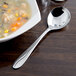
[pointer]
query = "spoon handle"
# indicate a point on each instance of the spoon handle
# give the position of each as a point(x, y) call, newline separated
point(24, 56)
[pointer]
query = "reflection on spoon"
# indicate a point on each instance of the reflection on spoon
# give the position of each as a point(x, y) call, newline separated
point(59, 2)
point(57, 19)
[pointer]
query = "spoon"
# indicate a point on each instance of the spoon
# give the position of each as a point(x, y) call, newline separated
point(58, 18)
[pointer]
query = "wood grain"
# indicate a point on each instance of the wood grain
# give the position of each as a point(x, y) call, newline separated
point(54, 56)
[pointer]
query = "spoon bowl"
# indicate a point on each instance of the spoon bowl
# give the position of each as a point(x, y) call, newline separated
point(58, 18)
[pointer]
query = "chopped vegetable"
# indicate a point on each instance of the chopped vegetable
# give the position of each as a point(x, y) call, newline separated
point(6, 31)
point(5, 6)
point(9, 10)
point(19, 18)
point(13, 29)
point(16, 15)
point(17, 24)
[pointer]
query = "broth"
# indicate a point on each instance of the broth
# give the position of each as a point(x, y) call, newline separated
point(13, 14)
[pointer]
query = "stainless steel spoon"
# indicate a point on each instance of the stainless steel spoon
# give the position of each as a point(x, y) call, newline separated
point(58, 18)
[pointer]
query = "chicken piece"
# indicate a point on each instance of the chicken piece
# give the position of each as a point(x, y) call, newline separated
point(5, 18)
point(8, 18)
point(21, 12)
point(24, 5)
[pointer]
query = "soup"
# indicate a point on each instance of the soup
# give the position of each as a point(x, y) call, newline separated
point(13, 14)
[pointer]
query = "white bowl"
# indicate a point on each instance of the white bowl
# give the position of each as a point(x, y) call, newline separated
point(35, 18)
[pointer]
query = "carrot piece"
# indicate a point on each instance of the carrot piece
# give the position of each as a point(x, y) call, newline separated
point(19, 18)
point(13, 29)
point(17, 24)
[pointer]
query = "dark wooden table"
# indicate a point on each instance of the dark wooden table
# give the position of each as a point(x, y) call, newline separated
point(54, 56)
